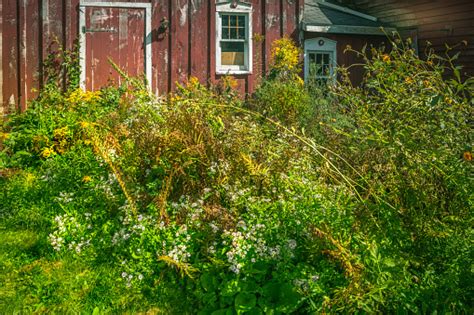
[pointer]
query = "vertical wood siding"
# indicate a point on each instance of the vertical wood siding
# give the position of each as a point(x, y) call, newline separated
point(356, 42)
point(438, 22)
point(31, 29)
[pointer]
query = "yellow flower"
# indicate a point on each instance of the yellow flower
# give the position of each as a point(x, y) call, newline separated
point(60, 133)
point(229, 82)
point(78, 96)
point(409, 80)
point(84, 124)
point(90, 96)
point(193, 83)
point(86, 179)
point(285, 54)
point(4, 136)
point(47, 152)
point(175, 98)
point(29, 179)
point(386, 58)
point(299, 80)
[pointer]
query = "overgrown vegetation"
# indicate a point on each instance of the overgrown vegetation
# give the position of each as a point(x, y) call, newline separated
point(299, 200)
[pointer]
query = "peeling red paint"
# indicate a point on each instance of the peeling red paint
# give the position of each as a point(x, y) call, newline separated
point(183, 41)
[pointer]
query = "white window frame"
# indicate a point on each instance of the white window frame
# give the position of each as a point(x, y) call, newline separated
point(320, 45)
point(126, 5)
point(239, 9)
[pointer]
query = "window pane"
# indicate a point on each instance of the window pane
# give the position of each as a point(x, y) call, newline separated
point(232, 53)
point(318, 59)
point(232, 46)
point(319, 64)
point(233, 33)
point(233, 26)
point(241, 21)
point(241, 33)
point(233, 20)
point(326, 59)
point(319, 70)
point(225, 20)
point(225, 32)
point(326, 70)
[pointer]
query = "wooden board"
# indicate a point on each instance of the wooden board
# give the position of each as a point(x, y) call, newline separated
point(113, 35)
point(33, 30)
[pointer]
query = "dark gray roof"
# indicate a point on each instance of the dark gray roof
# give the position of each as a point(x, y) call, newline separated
point(318, 14)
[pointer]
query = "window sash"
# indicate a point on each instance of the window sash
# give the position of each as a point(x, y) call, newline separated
point(237, 61)
point(233, 26)
point(323, 61)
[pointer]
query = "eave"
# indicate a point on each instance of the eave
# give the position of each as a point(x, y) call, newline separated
point(348, 29)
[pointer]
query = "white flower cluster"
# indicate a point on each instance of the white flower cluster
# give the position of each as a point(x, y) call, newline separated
point(179, 253)
point(49, 176)
point(64, 197)
point(120, 236)
point(211, 250)
point(78, 247)
point(214, 227)
point(178, 248)
point(248, 244)
point(106, 184)
point(242, 243)
point(67, 225)
point(56, 241)
point(194, 209)
point(234, 192)
point(112, 153)
point(129, 277)
point(221, 166)
point(304, 284)
point(131, 226)
point(291, 244)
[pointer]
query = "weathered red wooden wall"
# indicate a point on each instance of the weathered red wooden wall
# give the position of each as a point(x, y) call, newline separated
point(30, 29)
point(437, 22)
point(357, 43)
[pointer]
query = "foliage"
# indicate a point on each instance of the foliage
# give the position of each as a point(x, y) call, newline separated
point(406, 133)
point(118, 201)
point(282, 96)
point(285, 56)
point(61, 67)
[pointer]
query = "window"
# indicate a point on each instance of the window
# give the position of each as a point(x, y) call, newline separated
point(320, 60)
point(320, 67)
point(233, 44)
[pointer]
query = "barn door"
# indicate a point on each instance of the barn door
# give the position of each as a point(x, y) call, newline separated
point(113, 32)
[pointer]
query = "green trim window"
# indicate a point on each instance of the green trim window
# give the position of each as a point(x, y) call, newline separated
point(320, 66)
point(320, 60)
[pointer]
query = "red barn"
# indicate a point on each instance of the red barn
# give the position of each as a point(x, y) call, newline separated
point(169, 40)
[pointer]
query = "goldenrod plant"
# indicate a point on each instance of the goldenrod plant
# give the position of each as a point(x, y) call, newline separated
point(294, 200)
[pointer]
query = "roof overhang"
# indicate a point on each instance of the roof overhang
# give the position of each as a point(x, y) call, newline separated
point(348, 29)
point(347, 10)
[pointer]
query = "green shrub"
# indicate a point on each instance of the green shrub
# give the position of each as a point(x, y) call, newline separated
point(282, 95)
point(118, 201)
point(407, 130)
